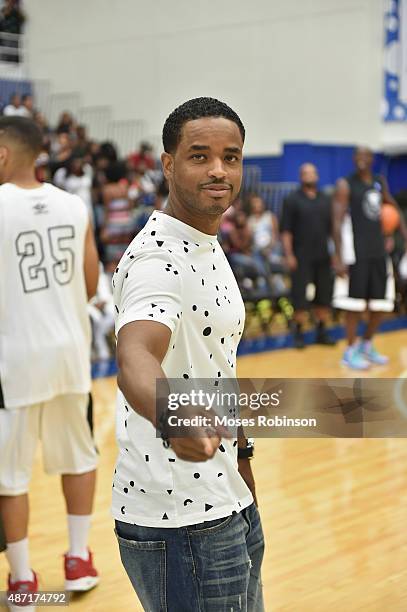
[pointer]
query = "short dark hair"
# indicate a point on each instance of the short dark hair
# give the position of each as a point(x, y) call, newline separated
point(22, 130)
point(195, 109)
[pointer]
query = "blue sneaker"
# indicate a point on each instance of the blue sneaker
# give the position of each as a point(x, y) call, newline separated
point(354, 359)
point(368, 351)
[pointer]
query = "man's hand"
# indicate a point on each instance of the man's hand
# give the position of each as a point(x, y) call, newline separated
point(339, 266)
point(196, 443)
point(292, 262)
point(389, 244)
point(245, 470)
point(195, 449)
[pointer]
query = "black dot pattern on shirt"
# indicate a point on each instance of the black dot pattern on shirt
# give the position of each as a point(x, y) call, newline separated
point(194, 307)
point(207, 331)
point(208, 507)
point(188, 501)
point(125, 490)
point(221, 448)
point(185, 376)
point(197, 475)
point(160, 242)
point(131, 483)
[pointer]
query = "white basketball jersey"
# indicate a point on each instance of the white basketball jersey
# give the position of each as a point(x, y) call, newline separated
point(44, 325)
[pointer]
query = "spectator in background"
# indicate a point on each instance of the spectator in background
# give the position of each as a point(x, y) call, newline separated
point(143, 156)
point(119, 224)
point(11, 17)
point(101, 313)
point(11, 22)
point(82, 144)
point(77, 178)
point(306, 227)
point(61, 152)
point(103, 155)
point(240, 254)
point(266, 242)
point(41, 121)
point(13, 108)
point(264, 225)
point(66, 124)
point(27, 106)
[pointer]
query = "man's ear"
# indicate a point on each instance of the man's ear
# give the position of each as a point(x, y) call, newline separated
point(4, 155)
point(167, 161)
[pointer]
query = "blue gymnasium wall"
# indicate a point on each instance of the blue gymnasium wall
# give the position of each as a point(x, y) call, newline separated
point(332, 162)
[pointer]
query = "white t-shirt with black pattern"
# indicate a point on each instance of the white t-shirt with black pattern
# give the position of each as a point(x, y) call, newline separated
point(179, 276)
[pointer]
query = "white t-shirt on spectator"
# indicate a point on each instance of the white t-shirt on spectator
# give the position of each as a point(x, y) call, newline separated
point(178, 276)
point(15, 111)
point(77, 185)
point(262, 228)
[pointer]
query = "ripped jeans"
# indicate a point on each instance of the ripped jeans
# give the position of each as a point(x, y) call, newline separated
point(208, 567)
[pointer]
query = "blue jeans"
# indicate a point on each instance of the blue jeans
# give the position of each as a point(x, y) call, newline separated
point(209, 567)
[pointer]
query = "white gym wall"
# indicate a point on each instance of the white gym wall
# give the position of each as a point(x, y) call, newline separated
point(294, 69)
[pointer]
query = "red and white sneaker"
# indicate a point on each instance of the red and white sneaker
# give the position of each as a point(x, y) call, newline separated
point(21, 587)
point(80, 575)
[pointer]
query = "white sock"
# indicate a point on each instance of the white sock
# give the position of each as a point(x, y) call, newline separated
point(19, 561)
point(78, 528)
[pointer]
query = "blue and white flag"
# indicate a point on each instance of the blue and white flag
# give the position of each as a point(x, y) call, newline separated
point(394, 106)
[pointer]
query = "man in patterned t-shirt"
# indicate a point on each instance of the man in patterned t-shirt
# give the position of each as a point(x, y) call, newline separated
point(188, 529)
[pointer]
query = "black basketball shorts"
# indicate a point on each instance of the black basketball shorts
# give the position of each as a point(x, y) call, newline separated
point(369, 285)
point(317, 273)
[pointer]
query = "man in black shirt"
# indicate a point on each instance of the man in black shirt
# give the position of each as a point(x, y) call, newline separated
point(306, 228)
point(365, 275)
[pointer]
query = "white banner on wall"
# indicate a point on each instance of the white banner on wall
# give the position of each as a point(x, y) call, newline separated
point(395, 61)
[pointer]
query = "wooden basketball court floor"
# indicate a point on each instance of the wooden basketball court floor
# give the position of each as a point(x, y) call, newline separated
point(334, 511)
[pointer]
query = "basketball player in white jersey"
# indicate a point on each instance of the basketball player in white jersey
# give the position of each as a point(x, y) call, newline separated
point(48, 271)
